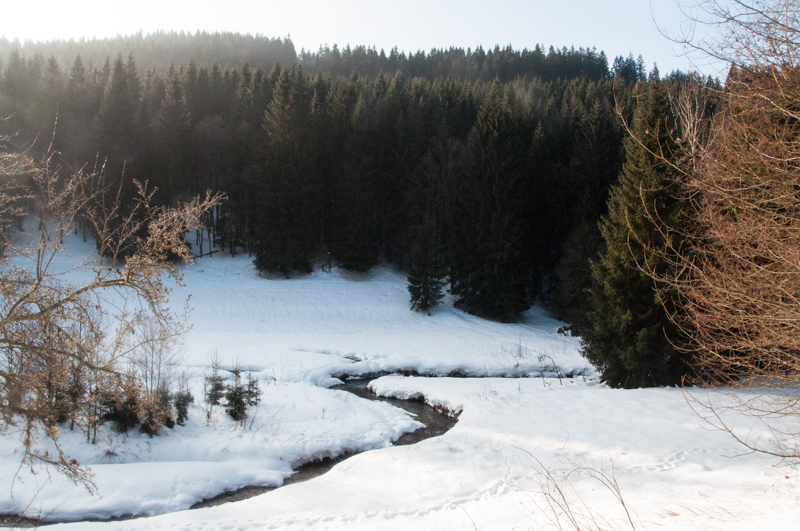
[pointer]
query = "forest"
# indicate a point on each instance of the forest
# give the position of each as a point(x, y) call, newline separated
point(553, 220)
point(484, 173)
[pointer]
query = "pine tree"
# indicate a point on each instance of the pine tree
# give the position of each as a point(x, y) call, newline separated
point(284, 240)
point(354, 238)
point(426, 274)
point(489, 276)
point(632, 340)
point(116, 118)
point(174, 133)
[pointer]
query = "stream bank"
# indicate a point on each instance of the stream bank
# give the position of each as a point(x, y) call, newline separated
point(436, 423)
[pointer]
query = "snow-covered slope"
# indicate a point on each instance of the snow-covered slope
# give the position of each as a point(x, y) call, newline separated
point(325, 319)
point(486, 473)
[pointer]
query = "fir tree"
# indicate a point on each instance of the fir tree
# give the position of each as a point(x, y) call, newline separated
point(174, 131)
point(427, 272)
point(490, 273)
point(116, 117)
point(631, 340)
point(284, 241)
point(355, 235)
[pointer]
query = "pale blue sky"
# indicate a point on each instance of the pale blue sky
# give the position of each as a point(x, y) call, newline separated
point(616, 26)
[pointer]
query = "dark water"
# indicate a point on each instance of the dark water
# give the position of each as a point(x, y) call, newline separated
point(436, 423)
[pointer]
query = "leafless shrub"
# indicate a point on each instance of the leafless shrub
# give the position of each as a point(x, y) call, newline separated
point(561, 502)
point(61, 341)
point(544, 357)
point(737, 274)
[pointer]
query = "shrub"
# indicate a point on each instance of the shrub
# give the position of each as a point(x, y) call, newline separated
point(241, 395)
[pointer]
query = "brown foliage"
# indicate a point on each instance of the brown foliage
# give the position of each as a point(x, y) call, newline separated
point(738, 276)
point(61, 340)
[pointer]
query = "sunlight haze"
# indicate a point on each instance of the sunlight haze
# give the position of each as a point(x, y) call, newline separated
point(617, 27)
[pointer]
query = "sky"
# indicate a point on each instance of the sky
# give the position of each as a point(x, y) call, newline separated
point(617, 27)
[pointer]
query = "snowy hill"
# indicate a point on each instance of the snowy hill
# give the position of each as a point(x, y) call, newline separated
point(490, 471)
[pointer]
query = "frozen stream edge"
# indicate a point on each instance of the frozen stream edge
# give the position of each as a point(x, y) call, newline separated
point(437, 422)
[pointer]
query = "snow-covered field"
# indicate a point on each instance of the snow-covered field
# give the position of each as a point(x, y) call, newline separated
point(489, 472)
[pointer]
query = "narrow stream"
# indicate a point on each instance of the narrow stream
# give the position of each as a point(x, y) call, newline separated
point(436, 424)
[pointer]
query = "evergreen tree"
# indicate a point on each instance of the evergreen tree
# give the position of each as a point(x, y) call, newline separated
point(632, 340)
point(174, 131)
point(426, 274)
point(134, 83)
point(594, 165)
point(354, 238)
point(77, 114)
point(12, 86)
point(51, 90)
point(284, 241)
point(572, 296)
point(77, 79)
point(428, 207)
point(489, 276)
point(116, 118)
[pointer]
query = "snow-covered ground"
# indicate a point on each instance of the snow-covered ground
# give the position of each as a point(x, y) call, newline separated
point(489, 472)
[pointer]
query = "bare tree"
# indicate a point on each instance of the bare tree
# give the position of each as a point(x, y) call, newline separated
point(738, 276)
point(155, 357)
point(63, 339)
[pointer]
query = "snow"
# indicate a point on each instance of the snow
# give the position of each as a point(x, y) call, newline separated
point(135, 474)
point(488, 472)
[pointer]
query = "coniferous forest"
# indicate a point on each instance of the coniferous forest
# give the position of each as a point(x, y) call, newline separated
point(481, 172)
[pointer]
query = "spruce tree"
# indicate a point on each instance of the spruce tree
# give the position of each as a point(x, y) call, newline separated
point(595, 164)
point(355, 238)
point(429, 205)
point(174, 132)
point(283, 241)
point(632, 340)
point(426, 274)
point(489, 275)
point(116, 118)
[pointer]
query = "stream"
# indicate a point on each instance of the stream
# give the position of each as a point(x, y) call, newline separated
point(436, 424)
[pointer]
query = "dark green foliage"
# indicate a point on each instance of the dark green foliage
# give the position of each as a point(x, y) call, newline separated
point(123, 409)
point(594, 166)
point(241, 395)
point(116, 122)
point(632, 340)
point(467, 165)
point(214, 385)
point(252, 390)
point(572, 297)
point(235, 403)
point(174, 141)
point(426, 274)
point(355, 237)
point(504, 64)
point(431, 202)
point(628, 68)
point(490, 274)
point(181, 402)
point(284, 240)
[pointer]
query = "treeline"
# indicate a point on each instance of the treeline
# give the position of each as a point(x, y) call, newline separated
point(230, 50)
point(161, 49)
point(504, 64)
point(478, 184)
point(492, 187)
point(501, 189)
